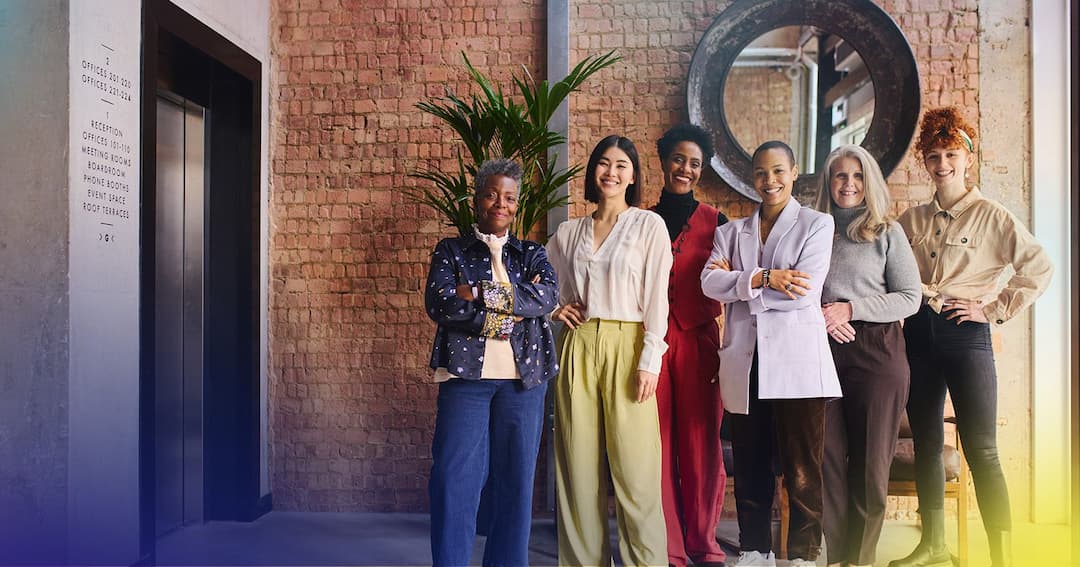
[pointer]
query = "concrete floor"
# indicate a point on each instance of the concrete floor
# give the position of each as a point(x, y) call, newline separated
point(300, 538)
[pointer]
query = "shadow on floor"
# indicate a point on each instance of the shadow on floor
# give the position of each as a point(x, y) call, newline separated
point(305, 538)
point(302, 538)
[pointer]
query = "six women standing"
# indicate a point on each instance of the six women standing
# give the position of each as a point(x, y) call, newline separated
point(963, 243)
point(621, 268)
point(873, 284)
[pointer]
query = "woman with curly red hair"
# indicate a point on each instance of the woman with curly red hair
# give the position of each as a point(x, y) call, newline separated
point(962, 243)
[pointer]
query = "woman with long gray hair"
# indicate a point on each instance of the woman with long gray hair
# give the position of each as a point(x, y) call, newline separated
point(873, 284)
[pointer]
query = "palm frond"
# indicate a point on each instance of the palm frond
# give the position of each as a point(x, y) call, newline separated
point(450, 195)
point(491, 124)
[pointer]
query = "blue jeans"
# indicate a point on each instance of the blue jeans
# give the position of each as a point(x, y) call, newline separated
point(482, 422)
point(960, 358)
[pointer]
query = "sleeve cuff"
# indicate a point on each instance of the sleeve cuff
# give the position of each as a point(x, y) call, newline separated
point(652, 354)
point(745, 285)
point(857, 310)
point(498, 325)
point(497, 296)
point(994, 314)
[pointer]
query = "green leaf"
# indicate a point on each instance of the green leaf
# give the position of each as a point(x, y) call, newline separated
point(490, 124)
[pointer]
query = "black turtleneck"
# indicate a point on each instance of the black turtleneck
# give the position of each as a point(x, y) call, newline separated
point(676, 211)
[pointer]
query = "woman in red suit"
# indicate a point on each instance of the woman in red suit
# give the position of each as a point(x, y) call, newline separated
point(687, 393)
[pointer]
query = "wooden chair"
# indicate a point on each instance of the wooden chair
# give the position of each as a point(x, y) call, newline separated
point(902, 478)
point(902, 483)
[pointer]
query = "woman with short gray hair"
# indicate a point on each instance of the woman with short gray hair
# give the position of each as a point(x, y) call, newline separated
point(493, 356)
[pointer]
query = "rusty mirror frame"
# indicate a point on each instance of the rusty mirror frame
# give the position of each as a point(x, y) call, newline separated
point(870, 31)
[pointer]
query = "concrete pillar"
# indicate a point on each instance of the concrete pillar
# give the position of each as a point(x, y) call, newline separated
point(34, 287)
point(69, 379)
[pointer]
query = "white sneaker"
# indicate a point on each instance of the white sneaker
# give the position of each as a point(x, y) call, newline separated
point(755, 559)
point(797, 562)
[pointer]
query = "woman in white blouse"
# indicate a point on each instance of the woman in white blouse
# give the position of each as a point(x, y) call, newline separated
point(613, 268)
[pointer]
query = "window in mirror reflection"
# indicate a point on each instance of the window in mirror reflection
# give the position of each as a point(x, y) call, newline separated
point(800, 85)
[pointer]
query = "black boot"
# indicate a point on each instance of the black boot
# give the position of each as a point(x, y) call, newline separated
point(1000, 547)
point(931, 551)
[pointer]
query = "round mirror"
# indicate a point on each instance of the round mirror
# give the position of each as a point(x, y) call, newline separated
point(797, 84)
point(847, 72)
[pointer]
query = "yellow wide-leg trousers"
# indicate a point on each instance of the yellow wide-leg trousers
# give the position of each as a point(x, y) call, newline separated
point(601, 429)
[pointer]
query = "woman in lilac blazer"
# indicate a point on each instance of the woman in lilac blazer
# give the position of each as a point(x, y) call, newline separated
point(776, 369)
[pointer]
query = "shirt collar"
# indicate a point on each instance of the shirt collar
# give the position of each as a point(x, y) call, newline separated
point(470, 239)
point(490, 239)
point(960, 206)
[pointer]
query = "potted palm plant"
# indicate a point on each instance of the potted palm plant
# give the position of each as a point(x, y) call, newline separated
point(491, 124)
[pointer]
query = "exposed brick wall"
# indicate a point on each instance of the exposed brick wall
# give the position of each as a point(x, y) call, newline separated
point(944, 36)
point(351, 409)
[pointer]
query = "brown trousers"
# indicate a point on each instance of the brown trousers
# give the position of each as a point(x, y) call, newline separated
point(860, 438)
point(794, 430)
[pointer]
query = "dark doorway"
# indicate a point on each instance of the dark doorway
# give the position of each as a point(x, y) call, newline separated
point(199, 321)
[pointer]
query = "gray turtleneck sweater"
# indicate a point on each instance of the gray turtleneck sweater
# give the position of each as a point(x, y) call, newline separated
point(880, 279)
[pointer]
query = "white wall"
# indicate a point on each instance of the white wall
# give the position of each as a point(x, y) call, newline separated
point(1005, 176)
point(246, 23)
point(1051, 225)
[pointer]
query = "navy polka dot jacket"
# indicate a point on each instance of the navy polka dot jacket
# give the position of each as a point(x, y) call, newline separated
point(459, 344)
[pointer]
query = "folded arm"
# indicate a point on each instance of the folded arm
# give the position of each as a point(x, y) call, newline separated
point(813, 261)
point(442, 301)
point(728, 285)
point(536, 295)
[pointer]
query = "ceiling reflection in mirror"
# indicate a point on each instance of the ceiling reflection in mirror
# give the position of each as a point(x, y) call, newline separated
point(802, 86)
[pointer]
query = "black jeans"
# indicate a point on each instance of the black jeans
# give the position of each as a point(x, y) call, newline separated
point(944, 355)
point(796, 429)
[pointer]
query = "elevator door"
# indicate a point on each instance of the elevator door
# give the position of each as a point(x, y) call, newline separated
point(178, 309)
